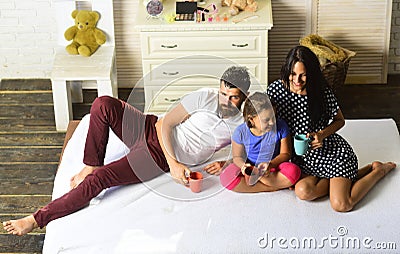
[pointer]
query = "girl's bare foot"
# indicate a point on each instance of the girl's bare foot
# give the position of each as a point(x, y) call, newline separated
point(78, 178)
point(264, 180)
point(21, 226)
point(385, 168)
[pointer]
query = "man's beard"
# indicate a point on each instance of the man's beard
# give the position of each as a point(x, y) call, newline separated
point(225, 111)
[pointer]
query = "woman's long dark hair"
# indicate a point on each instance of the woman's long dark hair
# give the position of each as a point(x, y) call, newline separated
point(315, 84)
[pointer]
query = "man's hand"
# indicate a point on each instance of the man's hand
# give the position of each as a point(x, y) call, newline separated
point(78, 178)
point(179, 172)
point(164, 127)
point(214, 168)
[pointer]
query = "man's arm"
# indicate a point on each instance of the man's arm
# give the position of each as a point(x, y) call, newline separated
point(215, 167)
point(164, 128)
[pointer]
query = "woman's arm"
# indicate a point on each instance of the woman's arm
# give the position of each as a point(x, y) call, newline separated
point(164, 128)
point(336, 124)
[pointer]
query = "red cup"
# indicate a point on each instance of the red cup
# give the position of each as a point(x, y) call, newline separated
point(195, 181)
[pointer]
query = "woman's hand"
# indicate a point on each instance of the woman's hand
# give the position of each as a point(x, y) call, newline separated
point(214, 168)
point(179, 172)
point(317, 139)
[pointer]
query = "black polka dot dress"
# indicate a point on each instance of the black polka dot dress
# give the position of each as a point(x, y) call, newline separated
point(336, 157)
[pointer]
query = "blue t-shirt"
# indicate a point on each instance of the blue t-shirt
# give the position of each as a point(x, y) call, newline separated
point(261, 148)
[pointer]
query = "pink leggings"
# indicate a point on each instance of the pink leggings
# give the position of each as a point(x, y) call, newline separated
point(232, 175)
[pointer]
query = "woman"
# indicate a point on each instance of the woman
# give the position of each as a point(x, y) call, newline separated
point(306, 103)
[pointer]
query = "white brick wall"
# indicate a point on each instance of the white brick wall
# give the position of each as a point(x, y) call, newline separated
point(27, 32)
point(394, 48)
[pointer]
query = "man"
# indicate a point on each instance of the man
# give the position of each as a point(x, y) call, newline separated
point(188, 135)
point(204, 112)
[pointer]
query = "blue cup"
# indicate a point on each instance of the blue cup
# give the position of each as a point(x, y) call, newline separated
point(301, 143)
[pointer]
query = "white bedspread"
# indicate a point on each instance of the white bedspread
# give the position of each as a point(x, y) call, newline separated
point(164, 217)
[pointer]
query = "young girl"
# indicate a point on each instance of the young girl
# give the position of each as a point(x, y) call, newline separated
point(305, 102)
point(262, 142)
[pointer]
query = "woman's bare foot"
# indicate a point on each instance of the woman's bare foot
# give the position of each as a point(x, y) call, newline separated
point(364, 171)
point(78, 178)
point(21, 226)
point(385, 168)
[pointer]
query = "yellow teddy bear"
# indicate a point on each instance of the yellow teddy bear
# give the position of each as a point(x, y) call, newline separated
point(86, 38)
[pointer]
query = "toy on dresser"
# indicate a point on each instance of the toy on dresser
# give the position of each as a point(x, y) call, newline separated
point(240, 5)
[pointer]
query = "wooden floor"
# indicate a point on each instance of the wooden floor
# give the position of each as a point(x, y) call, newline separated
point(371, 101)
point(30, 146)
point(30, 149)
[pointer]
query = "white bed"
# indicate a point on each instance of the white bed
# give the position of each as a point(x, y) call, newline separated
point(164, 217)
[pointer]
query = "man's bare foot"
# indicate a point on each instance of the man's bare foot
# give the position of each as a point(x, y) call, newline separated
point(385, 168)
point(21, 226)
point(78, 178)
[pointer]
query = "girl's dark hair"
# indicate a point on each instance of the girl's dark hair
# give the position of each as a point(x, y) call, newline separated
point(253, 105)
point(315, 84)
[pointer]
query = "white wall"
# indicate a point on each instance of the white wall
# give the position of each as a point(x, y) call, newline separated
point(27, 40)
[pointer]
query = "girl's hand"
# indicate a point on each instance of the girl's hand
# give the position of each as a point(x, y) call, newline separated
point(179, 172)
point(246, 165)
point(317, 139)
point(264, 168)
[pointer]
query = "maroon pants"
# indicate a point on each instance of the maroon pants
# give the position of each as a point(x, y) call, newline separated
point(144, 161)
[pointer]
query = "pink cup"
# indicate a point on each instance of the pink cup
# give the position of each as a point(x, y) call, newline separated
point(195, 181)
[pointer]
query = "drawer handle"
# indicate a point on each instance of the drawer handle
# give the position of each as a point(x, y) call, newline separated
point(169, 46)
point(172, 100)
point(171, 73)
point(240, 45)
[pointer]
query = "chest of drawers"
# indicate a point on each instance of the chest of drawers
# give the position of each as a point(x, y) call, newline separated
point(183, 56)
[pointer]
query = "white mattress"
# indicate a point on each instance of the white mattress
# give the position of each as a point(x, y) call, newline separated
point(164, 217)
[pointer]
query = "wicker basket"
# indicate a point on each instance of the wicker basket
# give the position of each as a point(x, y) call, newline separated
point(334, 71)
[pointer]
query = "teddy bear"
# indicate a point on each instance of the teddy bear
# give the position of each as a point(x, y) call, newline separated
point(235, 6)
point(86, 38)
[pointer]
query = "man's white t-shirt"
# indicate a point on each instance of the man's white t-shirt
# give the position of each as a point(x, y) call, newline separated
point(204, 132)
